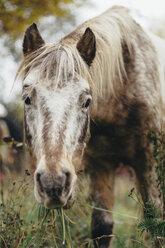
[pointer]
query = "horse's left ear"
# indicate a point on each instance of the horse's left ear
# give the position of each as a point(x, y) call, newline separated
point(32, 40)
point(87, 46)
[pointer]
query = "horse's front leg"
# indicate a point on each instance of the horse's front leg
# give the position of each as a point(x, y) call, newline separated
point(102, 192)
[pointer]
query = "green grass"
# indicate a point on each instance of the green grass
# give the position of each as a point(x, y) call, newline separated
point(25, 224)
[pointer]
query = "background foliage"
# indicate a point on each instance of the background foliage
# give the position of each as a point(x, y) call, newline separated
point(16, 14)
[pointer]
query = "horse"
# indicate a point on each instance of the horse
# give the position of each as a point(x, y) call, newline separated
point(90, 99)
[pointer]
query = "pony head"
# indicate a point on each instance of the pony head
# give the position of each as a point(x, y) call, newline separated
point(56, 112)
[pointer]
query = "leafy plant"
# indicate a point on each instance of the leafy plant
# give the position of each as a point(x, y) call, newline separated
point(154, 218)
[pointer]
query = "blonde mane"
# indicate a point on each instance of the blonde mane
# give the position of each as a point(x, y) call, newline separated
point(56, 61)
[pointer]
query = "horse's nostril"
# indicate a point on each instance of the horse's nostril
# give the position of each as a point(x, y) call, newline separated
point(38, 175)
point(67, 173)
point(68, 179)
point(38, 179)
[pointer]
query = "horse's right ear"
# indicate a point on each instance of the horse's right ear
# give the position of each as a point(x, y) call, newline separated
point(32, 40)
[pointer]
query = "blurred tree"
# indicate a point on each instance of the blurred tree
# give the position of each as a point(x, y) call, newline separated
point(53, 16)
point(16, 14)
point(15, 109)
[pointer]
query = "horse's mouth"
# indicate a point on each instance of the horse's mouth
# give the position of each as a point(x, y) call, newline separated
point(55, 204)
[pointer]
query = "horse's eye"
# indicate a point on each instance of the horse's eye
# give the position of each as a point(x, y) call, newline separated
point(86, 105)
point(27, 101)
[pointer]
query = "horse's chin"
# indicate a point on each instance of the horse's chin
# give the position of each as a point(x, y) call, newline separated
point(52, 205)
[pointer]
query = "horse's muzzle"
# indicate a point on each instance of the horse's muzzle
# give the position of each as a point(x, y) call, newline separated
point(54, 191)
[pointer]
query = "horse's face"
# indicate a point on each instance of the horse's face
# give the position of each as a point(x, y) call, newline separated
point(56, 125)
point(57, 129)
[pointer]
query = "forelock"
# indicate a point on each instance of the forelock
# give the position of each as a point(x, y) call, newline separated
point(56, 64)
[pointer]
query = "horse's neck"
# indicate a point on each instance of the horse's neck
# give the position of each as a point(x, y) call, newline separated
point(140, 94)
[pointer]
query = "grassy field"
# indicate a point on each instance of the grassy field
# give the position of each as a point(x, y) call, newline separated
point(25, 224)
